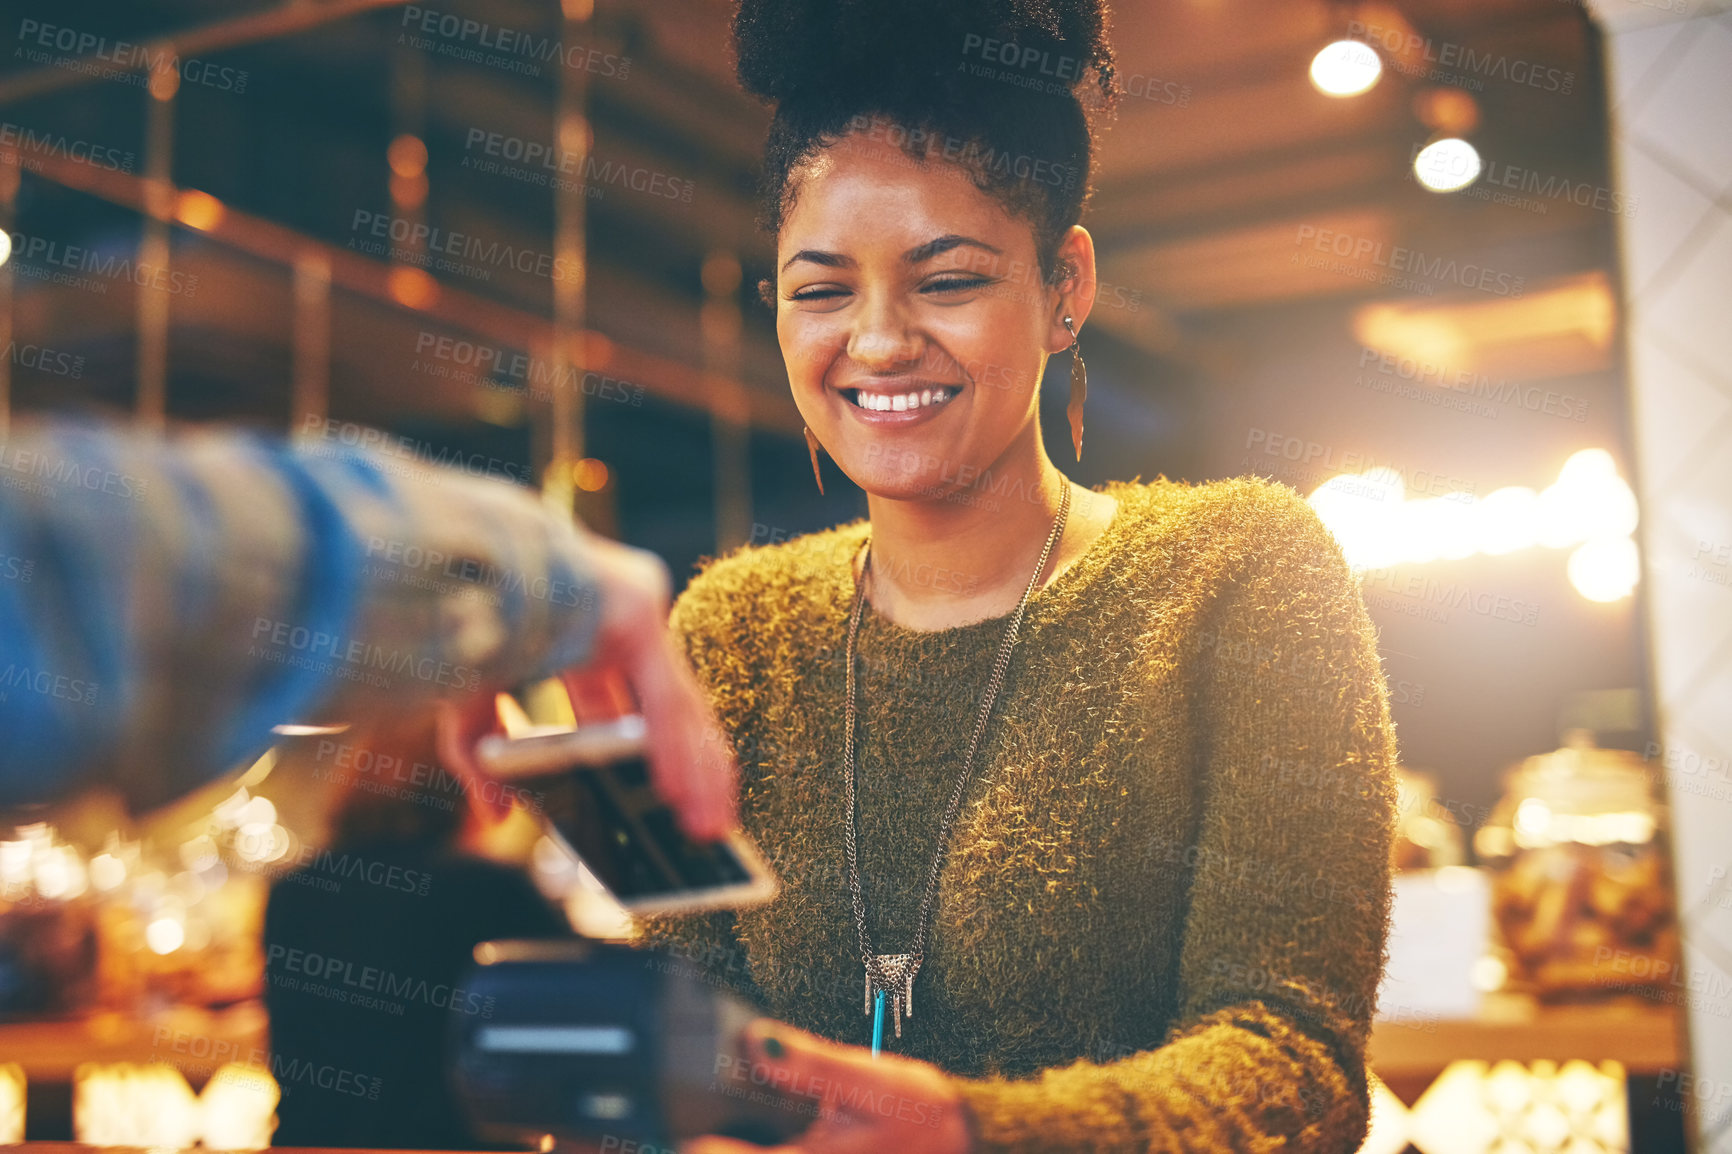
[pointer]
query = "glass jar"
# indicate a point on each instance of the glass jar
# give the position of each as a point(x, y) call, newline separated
point(1581, 886)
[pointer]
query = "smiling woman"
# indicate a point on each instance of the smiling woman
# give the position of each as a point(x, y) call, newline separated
point(1040, 777)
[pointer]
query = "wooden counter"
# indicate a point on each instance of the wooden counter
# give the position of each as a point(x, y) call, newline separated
point(1644, 1037)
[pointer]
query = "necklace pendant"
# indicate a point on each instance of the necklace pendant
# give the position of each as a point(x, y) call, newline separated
point(893, 976)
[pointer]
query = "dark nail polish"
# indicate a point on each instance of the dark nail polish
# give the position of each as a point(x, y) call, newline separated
point(773, 1046)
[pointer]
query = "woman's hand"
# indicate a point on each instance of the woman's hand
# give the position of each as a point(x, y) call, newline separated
point(864, 1105)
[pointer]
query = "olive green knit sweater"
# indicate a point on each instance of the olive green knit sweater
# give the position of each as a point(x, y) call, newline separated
point(1147, 935)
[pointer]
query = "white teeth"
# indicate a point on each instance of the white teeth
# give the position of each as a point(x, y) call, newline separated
point(901, 402)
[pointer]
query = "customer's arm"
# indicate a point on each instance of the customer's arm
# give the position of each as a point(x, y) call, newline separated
point(1283, 943)
point(164, 603)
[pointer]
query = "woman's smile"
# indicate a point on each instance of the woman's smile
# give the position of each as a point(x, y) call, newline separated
point(898, 403)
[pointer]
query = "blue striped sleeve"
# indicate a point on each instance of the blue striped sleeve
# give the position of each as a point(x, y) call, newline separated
point(164, 603)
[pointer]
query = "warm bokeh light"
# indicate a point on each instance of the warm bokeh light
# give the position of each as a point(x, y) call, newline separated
point(238, 1105)
point(1508, 520)
point(721, 273)
point(5, 246)
point(412, 287)
point(12, 1087)
point(1364, 508)
point(106, 871)
point(259, 810)
point(1447, 110)
point(164, 83)
point(226, 813)
point(60, 873)
point(1345, 68)
point(575, 134)
point(1447, 165)
point(1588, 501)
point(123, 1104)
point(165, 935)
point(1589, 505)
point(590, 475)
point(1605, 569)
point(1492, 348)
point(198, 210)
point(407, 155)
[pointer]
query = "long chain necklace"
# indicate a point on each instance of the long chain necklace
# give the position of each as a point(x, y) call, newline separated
point(891, 976)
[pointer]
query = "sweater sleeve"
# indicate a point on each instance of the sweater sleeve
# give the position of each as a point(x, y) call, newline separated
point(1284, 939)
point(705, 945)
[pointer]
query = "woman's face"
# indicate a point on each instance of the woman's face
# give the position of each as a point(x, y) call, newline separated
point(913, 318)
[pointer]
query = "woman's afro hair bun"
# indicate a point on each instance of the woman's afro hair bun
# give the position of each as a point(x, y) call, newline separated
point(790, 49)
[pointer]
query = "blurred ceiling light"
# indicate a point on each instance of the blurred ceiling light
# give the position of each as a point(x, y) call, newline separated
point(1345, 68)
point(1605, 569)
point(1588, 500)
point(1446, 110)
point(412, 287)
point(1508, 520)
point(5, 246)
point(198, 210)
point(576, 136)
point(1447, 165)
point(1496, 348)
point(164, 83)
point(590, 475)
point(407, 155)
point(1589, 506)
point(301, 729)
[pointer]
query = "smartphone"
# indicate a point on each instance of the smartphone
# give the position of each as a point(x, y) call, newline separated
point(594, 786)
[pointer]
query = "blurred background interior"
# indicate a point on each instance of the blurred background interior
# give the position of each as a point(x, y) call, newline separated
point(1369, 250)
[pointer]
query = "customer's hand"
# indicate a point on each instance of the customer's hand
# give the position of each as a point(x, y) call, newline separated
point(864, 1105)
point(691, 762)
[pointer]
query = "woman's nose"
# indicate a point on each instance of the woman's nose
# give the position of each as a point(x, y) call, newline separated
point(882, 339)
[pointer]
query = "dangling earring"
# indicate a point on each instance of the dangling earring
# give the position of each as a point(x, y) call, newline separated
point(1079, 391)
point(812, 447)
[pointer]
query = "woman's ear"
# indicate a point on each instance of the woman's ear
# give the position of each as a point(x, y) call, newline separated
point(1076, 285)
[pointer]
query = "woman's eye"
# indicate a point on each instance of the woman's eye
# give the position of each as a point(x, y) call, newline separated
point(816, 294)
point(956, 284)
